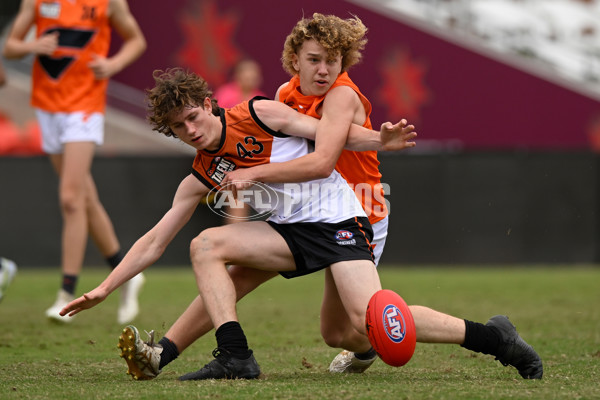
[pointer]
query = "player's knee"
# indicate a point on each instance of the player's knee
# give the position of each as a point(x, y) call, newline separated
point(204, 246)
point(71, 201)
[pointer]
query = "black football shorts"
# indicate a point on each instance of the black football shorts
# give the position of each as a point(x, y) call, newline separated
point(317, 245)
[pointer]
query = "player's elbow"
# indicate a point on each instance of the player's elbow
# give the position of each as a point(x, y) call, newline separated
point(323, 169)
point(143, 44)
point(321, 172)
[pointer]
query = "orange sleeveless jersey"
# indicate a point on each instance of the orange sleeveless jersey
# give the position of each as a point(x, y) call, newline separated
point(360, 169)
point(63, 82)
point(244, 143)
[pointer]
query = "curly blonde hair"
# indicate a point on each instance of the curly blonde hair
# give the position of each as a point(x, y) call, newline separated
point(173, 91)
point(345, 37)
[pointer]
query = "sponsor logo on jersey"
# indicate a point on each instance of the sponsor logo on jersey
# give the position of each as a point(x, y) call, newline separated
point(393, 323)
point(219, 167)
point(50, 10)
point(344, 237)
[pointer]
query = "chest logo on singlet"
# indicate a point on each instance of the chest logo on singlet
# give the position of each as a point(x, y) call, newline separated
point(50, 10)
point(70, 40)
point(219, 167)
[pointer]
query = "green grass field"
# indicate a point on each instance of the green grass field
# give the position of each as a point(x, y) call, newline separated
point(555, 309)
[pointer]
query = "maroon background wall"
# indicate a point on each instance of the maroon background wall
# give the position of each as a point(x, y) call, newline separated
point(474, 206)
point(453, 95)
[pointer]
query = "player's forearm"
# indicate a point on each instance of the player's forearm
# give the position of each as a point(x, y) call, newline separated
point(141, 255)
point(126, 26)
point(363, 139)
point(129, 52)
point(16, 49)
point(359, 137)
point(16, 46)
point(309, 167)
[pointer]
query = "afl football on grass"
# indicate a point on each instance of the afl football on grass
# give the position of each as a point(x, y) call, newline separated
point(391, 328)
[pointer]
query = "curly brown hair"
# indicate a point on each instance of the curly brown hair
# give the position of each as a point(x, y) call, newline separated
point(174, 90)
point(345, 37)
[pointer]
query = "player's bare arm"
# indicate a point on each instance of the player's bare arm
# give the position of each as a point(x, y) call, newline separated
point(391, 137)
point(134, 43)
point(148, 249)
point(16, 46)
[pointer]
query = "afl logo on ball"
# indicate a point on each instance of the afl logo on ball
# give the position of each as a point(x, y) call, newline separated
point(393, 323)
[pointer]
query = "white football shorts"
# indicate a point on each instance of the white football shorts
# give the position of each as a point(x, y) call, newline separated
point(380, 231)
point(60, 128)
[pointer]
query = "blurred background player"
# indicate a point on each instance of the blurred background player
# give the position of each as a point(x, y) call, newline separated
point(8, 270)
point(13, 139)
point(70, 76)
point(246, 84)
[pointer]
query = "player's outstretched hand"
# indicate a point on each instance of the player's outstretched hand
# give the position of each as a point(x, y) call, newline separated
point(397, 136)
point(88, 300)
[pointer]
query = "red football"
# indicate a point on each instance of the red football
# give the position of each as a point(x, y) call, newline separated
point(391, 328)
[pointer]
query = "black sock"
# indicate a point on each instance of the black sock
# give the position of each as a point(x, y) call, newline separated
point(367, 355)
point(69, 282)
point(231, 337)
point(114, 260)
point(169, 352)
point(481, 338)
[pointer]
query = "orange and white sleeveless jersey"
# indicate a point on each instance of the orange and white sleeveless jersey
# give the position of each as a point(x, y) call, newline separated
point(63, 82)
point(246, 142)
point(360, 169)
